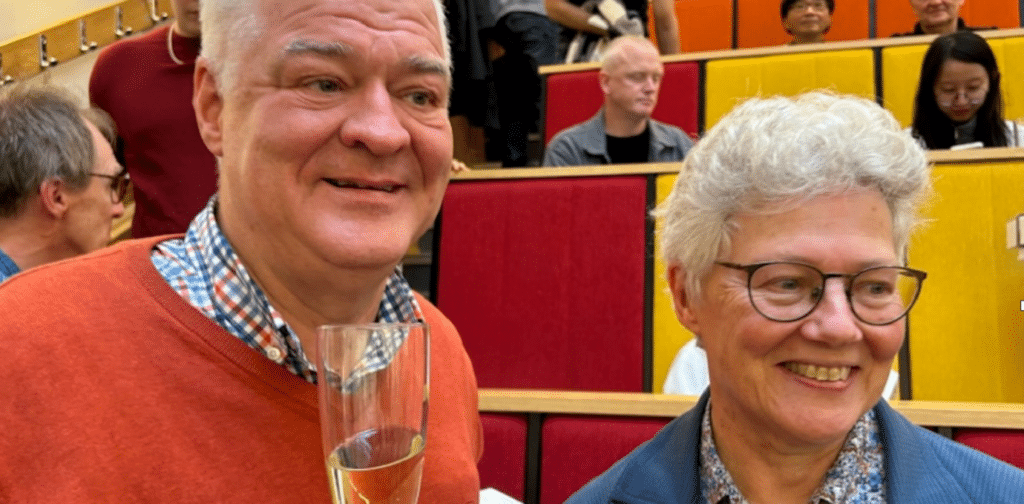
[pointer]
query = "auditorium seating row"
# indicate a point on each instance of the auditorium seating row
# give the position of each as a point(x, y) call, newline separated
point(541, 446)
point(706, 25)
point(554, 281)
point(699, 88)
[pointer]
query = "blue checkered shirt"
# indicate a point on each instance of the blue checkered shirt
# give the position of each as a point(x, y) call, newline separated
point(203, 268)
point(7, 267)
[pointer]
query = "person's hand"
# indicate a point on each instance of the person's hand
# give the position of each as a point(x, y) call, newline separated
point(459, 166)
point(626, 25)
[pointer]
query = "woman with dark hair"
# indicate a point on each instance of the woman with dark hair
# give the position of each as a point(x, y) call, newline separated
point(807, 20)
point(958, 99)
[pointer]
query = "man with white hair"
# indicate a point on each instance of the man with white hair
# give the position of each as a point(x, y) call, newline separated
point(622, 131)
point(178, 369)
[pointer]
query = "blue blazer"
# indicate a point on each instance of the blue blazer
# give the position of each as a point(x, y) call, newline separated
point(921, 467)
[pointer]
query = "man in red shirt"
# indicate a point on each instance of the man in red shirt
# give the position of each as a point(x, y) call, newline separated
point(145, 84)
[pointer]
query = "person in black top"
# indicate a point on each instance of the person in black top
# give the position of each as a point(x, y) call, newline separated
point(938, 17)
point(958, 99)
point(623, 130)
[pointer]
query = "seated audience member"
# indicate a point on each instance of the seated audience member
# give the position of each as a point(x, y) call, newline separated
point(958, 96)
point(938, 17)
point(179, 369)
point(145, 84)
point(622, 131)
point(60, 186)
point(784, 238)
point(688, 374)
point(807, 20)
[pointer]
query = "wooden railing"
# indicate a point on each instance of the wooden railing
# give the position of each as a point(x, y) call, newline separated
point(936, 414)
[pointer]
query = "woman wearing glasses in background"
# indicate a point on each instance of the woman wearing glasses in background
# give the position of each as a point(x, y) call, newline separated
point(958, 98)
point(807, 20)
point(784, 238)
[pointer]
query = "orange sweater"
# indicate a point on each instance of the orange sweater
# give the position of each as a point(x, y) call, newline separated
point(116, 390)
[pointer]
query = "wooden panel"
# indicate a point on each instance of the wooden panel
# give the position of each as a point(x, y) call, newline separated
point(704, 25)
point(926, 413)
point(731, 81)
point(998, 13)
point(966, 328)
point(760, 23)
point(901, 71)
point(1010, 58)
point(667, 333)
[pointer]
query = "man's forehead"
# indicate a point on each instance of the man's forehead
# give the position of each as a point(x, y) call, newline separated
point(353, 19)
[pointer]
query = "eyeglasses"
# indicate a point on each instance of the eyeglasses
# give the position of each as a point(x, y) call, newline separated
point(788, 291)
point(972, 95)
point(815, 5)
point(118, 184)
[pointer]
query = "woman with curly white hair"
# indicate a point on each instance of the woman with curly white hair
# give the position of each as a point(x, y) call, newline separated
point(785, 239)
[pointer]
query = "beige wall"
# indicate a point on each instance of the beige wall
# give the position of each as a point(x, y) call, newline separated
point(33, 15)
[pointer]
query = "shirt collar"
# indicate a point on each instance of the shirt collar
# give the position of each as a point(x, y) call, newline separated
point(205, 270)
point(7, 266)
point(857, 475)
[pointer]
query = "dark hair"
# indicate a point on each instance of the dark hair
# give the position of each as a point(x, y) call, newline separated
point(932, 125)
point(788, 4)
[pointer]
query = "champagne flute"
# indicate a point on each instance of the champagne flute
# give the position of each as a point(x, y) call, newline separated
point(373, 381)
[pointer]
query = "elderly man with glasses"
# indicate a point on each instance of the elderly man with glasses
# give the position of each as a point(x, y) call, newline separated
point(60, 186)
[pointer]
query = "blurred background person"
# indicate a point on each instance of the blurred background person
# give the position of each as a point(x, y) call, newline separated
point(958, 96)
point(622, 131)
point(807, 20)
point(938, 17)
point(630, 19)
point(145, 84)
point(527, 40)
point(784, 239)
point(60, 186)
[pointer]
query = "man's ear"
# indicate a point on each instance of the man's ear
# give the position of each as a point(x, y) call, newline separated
point(54, 198)
point(683, 301)
point(603, 79)
point(209, 106)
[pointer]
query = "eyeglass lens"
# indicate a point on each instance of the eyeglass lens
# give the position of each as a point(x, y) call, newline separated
point(789, 291)
point(945, 99)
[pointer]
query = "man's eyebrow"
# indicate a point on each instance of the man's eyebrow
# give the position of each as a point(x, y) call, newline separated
point(427, 65)
point(329, 49)
point(417, 63)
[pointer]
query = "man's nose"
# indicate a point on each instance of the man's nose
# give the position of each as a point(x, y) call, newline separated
point(374, 123)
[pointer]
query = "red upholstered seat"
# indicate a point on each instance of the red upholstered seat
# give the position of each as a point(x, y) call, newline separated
point(545, 280)
point(1004, 444)
point(575, 449)
point(575, 97)
point(503, 465)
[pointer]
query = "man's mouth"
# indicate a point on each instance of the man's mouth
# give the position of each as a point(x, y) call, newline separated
point(819, 373)
point(382, 187)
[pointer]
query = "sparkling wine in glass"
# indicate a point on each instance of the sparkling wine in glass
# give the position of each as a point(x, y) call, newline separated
point(373, 381)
